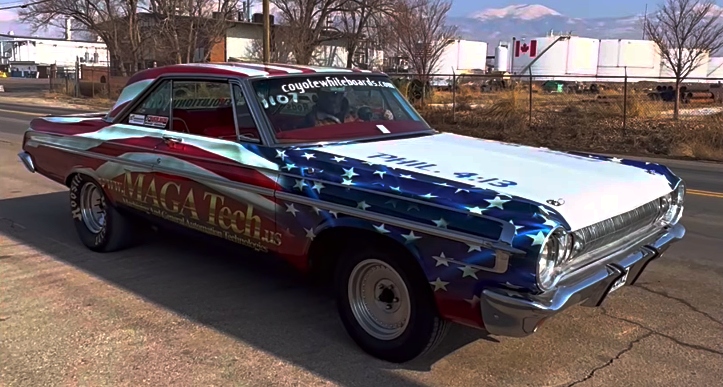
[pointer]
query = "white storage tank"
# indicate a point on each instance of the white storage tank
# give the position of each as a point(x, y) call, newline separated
point(715, 70)
point(502, 57)
point(567, 59)
point(700, 74)
point(582, 56)
point(640, 57)
point(462, 56)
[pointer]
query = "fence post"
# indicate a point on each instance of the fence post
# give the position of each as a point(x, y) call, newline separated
point(625, 102)
point(77, 77)
point(454, 96)
point(530, 119)
point(92, 83)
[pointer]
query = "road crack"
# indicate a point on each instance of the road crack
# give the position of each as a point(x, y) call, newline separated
point(671, 338)
point(612, 360)
point(682, 301)
point(648, 333)
point(13, 224)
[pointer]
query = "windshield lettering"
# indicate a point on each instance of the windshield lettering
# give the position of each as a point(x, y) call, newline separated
point(301, 87)
point(329, 107)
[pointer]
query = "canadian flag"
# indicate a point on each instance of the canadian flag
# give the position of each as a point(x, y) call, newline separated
point(522, 48)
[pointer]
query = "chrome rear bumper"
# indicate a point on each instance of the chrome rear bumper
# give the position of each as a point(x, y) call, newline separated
point(27, 161)
point(507, 313)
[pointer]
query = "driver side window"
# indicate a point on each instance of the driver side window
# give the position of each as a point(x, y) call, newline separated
point(207, 108)
point(155, 109)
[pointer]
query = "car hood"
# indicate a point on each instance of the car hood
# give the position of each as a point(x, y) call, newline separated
point(590, 189)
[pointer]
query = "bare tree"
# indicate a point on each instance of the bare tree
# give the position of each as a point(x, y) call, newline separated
point(310, 21)
point(358, 22)
point(686, 33)
point(185, 30)
point(281, 46)
point(115, 21)
point(422, 33)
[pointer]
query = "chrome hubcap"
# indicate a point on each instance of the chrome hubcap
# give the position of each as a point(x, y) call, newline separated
point(379, 299)
point(92, 207)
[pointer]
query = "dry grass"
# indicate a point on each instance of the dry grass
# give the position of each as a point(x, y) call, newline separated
point(100, 100)
point(583, 122)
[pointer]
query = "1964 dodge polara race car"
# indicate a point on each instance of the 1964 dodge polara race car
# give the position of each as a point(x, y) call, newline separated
point(334, 171)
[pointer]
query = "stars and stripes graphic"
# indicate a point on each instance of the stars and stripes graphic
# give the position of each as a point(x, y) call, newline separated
point(455, 271)
point(282, 179)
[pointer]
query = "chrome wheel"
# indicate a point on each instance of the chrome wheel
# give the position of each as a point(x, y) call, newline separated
point(379, 299)
point(92, 207)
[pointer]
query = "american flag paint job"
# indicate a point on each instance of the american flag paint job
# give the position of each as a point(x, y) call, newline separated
point(301, 192)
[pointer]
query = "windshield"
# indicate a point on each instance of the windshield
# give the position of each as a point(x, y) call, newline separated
point(328, 108)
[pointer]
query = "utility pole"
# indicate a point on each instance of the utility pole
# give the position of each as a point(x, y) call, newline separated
point(267, 32)
point(645, 21)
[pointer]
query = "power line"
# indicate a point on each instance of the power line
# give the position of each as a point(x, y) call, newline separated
point(24, 5)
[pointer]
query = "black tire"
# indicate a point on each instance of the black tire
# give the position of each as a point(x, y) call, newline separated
point(425, 329)
point(118, 231)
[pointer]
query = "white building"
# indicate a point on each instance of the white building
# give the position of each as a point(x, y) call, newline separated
point(243, 42)
point(26, 53)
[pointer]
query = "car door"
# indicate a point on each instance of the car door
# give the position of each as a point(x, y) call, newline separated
point(208, 176)
point(128, 149)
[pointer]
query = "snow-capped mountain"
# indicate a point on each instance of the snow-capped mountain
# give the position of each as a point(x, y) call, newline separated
point(519, 11)
point(534, 20)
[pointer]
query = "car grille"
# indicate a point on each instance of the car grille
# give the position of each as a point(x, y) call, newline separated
point(613, 229)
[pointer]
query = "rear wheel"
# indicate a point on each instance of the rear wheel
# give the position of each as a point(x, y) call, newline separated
point(387, 306)
point(99, 225)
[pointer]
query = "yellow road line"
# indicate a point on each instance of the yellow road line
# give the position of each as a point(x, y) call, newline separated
point(705, 193)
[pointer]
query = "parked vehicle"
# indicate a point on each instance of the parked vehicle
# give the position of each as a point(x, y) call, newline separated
point(335, 172)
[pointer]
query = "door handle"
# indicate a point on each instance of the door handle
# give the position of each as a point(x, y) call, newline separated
point(168, 138)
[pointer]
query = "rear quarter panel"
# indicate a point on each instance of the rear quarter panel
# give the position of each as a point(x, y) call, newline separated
point(50, 141)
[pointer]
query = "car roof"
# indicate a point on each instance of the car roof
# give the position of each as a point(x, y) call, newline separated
point(241, 70)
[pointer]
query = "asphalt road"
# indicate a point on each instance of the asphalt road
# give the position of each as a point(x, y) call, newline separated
point(173, 312)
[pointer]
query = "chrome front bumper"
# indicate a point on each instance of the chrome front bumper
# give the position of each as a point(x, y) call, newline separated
point(507, 313)
point(27, 161)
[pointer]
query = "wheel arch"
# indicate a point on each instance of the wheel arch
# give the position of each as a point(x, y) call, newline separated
point(70, 176)
point(91, 174)
point(330, 243)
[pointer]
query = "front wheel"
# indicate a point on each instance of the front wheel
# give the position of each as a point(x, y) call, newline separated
point(99, 225)
point(387, 306)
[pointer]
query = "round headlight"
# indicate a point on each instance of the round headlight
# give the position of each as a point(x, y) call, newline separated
point(672, 205)
point(555, 251)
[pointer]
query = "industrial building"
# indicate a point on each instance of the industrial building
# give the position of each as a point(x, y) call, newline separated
point(573, 58)
point(243, 38)
point(30, 56)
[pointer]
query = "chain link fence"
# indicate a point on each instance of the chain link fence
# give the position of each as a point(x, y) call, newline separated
point(619, 98)
point(615, 114)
